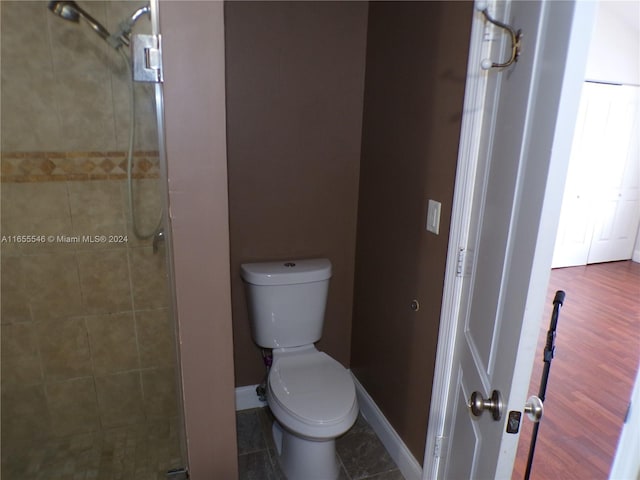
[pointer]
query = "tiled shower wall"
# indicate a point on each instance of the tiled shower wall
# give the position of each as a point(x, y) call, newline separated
point(86, 334)
point(87, 338)
point(64, 89)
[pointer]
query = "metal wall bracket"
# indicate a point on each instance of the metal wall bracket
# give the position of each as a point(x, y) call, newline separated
point(146, 51)
point(178, 474)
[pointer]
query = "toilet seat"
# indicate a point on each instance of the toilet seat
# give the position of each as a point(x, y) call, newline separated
point(312, 394)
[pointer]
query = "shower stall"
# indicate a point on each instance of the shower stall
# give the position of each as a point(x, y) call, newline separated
point(89, 372)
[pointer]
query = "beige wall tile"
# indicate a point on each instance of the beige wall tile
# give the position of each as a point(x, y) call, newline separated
point(86, 225)
point(146, 194)
point(73, 406)
point(156, 338)
point(35, 200)
point(29, 118)
point(20, 371)
point(81, 62)
point(14, 304)
point(27, 79)
point(113, 343)
point(25, 416)
point(24, 43)
point(159, 386)
point(120, 399)
point(96, 198)
point(104, 277)
point(52, 285)
point(97, 208)
point(149, 278)
point(35, 209)
point(20, 356)
point(64, 88)
point(64, 348)
point(45, 226)
point(18, 340)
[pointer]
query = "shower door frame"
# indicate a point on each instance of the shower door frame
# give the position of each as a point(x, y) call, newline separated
point(166, 221)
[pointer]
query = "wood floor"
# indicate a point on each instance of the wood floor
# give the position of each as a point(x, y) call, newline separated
point(591, 376)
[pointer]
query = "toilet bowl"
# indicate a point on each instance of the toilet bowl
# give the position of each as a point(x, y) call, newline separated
point(311, 395)
point(313, 399)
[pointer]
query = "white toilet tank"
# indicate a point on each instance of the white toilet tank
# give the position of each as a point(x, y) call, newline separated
point(287, 301)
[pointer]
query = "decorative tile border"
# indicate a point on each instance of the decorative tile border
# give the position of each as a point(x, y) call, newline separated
point(24, 167)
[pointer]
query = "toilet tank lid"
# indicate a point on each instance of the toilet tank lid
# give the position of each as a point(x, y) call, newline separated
point(286, 272)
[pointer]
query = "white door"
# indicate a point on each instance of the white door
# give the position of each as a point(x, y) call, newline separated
point(601, 206)
point(617, 208)
point(576, 218)
point(497, 302)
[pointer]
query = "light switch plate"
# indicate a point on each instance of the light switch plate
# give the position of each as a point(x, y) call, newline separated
point(433, 216)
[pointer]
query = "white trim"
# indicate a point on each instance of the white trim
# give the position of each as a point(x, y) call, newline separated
point(626, 463)
point(474, 110)
point(636, 256)
point(405, 461)
point(246, 398)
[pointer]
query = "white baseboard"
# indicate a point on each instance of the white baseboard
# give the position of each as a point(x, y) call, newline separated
point(405, 460)
point(636, 256)
point(246, 398)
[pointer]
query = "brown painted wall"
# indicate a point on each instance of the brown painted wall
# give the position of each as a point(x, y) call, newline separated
point(196, 154)
point(295, 82)
point(416, 67)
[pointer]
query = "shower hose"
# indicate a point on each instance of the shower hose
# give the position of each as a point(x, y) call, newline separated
point(132, 129)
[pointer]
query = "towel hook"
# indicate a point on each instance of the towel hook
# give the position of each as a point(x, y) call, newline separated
point(516, 37)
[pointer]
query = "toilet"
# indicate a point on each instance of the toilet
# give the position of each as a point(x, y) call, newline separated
point(311, 395)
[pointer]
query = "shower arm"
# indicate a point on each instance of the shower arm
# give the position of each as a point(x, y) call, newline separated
point(121, 37)
point(94, 24)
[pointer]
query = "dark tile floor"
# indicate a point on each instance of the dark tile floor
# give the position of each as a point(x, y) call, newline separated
point(361, 454)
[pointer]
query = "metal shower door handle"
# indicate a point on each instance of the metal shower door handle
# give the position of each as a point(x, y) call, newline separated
point(494, 404)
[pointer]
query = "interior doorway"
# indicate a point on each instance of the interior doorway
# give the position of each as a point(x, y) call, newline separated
point(600, 212)
point(601, 205)
point(599, 327)
point(592, 374)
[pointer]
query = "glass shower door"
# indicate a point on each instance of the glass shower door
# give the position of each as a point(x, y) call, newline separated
point(89, 372)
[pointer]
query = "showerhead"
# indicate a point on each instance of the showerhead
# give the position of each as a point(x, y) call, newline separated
point(66, 10)
point(70, 10)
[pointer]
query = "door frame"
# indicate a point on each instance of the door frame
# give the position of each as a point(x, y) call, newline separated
point(469, 178)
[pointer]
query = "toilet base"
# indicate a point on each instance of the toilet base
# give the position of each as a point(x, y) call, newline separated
point(302, 459)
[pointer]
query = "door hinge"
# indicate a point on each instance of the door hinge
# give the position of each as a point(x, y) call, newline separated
point(439, 447)
point(147, 58)
point(462, 266)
